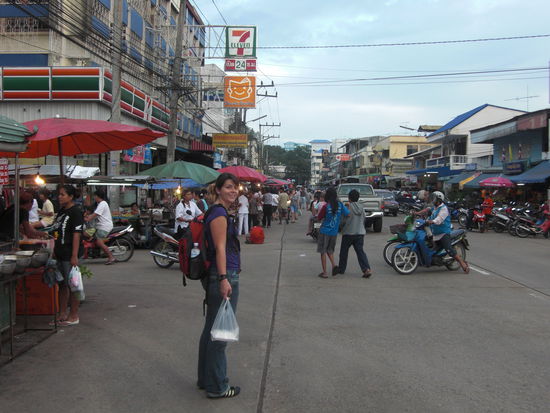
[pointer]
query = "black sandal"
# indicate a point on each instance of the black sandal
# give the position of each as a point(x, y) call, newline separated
point(230, 392)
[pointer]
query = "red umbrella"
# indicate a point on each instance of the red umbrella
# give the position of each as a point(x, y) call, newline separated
point(70, 137)
point(498, 182)
point(276, 182)
point(244, 173)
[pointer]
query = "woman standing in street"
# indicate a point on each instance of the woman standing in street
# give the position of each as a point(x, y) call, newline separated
point(68, 229)
point(222, 282)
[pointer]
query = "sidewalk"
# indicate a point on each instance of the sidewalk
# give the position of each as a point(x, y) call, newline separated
point(135, 349)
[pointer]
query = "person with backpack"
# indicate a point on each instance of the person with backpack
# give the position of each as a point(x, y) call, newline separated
point(353, 234)
point(330, 216)
point(221, 282)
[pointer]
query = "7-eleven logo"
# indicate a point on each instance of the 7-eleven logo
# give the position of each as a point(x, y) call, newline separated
point(240, 42)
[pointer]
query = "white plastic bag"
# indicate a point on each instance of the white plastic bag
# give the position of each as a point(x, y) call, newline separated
point(75, 280)
point(225, 327)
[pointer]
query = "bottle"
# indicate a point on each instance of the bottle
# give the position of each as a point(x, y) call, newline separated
point(195, 251)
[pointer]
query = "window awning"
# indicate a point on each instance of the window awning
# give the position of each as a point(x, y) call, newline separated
point(459, 178)
point(539, 173)
point(442, 171)
point(201, 147)
point(474, 183)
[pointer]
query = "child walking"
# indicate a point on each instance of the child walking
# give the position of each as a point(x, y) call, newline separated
point(330, 215)
point(353, 234)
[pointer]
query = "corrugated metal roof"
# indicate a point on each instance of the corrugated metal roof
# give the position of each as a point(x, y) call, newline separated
point(458, 120)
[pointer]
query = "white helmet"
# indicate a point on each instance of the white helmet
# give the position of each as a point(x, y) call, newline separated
point(437, 195)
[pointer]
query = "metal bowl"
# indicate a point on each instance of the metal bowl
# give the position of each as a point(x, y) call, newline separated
point(7, 267)
point(40, 258)
point(24, 253)
point(21, 262)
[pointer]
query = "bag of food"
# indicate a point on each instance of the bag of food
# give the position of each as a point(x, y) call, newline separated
point(75, 280)
point(225, 327)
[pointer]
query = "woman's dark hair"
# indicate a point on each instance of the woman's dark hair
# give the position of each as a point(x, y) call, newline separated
point(100, 193)
point(71, 190)
point(353, 195)
point(317, 195)
point(133, 203)
point(331, 198)
point(224, 177)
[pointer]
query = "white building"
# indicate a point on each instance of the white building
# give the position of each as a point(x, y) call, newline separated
point(317, 148)
point(216, 118)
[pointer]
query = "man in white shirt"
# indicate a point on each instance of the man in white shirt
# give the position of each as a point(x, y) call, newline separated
point(186, 211)
point(243, 214)
point(104, 223)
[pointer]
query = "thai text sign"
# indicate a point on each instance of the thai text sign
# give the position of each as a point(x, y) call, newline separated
point(4, 173)
point(343, 157)
point(239, 92)
point(240, 41)
point(230, 140)
point(240, 65)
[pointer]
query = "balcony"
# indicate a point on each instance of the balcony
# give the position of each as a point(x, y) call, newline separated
point(452, 161)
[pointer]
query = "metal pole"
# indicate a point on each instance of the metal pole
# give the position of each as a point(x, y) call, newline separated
point(17, 204)
point(60, 152)
point(114, 161)
point(176, 84)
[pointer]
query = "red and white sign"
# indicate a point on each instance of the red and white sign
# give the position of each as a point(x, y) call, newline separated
point(343, 157)
point(240, 65)
point(4, 172)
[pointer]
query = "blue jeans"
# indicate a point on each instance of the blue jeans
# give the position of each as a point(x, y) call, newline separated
point(212, 370)
point(357, 242)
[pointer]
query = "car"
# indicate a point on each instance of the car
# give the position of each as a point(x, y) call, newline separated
point(372, 203)
point(389, 204)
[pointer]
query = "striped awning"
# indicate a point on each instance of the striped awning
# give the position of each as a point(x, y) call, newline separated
point(201, 147)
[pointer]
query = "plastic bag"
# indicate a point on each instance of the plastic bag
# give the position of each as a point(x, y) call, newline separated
point(225, 327)
point(75, 280)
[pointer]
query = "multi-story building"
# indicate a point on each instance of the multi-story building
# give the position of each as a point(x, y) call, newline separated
point(319, 148)
point(55, 59)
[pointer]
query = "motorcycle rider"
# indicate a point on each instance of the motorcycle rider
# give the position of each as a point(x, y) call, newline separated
point(440, 224)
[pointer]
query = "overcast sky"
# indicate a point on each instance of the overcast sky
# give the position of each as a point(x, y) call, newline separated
point(364, 108)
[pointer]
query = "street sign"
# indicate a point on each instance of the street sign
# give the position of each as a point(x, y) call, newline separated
point(239, 92)
point(240, 42)
point(343, 157)
point(240, 65)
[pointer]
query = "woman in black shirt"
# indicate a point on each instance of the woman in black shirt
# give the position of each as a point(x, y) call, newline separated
point(68, 229)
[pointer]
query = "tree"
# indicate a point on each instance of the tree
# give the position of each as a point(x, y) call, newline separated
point(297, 162)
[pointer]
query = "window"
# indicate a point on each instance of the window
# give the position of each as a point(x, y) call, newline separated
point(412, 149)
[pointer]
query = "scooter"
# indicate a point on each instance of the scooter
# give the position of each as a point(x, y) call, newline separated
point(119, 241)
point(416, 250)
point(399, 236)
point(165, 251)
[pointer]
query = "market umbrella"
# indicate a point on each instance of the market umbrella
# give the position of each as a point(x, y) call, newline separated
point(244, 173)
point(275, 182)
point(496, 182)
point(171, 184)
point(183, 170)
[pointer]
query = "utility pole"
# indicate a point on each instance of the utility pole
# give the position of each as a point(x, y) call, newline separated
point(176, 84)
point(114, 164)
point(261, 142)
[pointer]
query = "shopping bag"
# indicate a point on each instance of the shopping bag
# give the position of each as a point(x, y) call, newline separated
point(225, 327)
point(75, 280)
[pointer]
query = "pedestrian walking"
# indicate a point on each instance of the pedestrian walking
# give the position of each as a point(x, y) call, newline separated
point(222, 282)
point(353, 234)
point(267, 201)
point(252, 210)
point(284, 206)
point(103, 223)
point(330, 214)
point(294, 205)
point(275, 203)
point(243, 214)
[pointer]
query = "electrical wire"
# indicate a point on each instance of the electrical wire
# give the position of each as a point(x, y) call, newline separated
point(223, 18)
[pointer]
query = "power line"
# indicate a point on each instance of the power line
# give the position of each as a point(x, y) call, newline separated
point(434, 42)
point(223, 18)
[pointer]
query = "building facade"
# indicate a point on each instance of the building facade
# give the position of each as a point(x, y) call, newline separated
point(320, 150)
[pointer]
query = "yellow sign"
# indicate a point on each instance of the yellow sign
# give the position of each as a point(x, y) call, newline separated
point(239, 92)
point(230, 140)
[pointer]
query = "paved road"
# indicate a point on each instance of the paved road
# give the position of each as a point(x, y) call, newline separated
point(434, 341)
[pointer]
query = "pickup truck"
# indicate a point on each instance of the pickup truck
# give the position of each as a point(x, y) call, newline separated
point(371, 202)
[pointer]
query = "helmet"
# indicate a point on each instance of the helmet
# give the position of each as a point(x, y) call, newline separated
point(437, 195)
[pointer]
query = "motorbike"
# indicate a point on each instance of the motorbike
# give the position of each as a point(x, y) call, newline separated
point(500, 221)
point(119, 241)
point(165, 251)
point(399, 231)
point(416, 250)
point(479, 220)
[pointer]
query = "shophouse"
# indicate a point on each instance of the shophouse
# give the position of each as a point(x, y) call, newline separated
point(56, 61)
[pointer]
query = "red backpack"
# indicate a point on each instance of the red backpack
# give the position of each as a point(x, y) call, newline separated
point(192, 249)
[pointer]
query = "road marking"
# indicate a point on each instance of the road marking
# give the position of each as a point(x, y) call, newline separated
point(479, 270)
point(302, 255)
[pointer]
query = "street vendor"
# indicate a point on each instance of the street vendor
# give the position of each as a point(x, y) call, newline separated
point(46, 213)
point(8, 218)
point(186, 211)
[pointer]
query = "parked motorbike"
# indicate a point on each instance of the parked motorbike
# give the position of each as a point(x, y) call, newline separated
point(416, 250)
point(165, 250)
point(119, 241)
point(479, 220)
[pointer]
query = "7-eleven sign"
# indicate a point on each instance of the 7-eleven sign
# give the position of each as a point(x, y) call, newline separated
point(240, 41)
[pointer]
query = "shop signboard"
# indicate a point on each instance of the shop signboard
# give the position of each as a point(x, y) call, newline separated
point(4, 173)
point(343, 157)
point(239, 92)
point(240, 65)
point(230, 140)
point(240, 42)
point(513, 168)
point(139, 154)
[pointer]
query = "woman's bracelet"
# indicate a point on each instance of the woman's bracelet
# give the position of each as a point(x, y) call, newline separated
point(222, 277)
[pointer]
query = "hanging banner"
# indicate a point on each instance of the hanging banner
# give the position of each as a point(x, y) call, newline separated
point(240, 42)
point(239, 92)
point(4, 173)
point(229, 140)
point(139, 154)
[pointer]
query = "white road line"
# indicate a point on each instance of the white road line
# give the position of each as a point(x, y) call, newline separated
point(479, 270)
